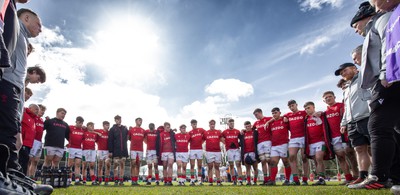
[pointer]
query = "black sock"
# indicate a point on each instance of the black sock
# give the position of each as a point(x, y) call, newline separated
point(363, 174)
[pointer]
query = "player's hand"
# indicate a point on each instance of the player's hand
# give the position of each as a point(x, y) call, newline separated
point(242, 131)
point(18, 144)
point(385, 83)
point(343, 129)
point(317, 114)
point(285, 119)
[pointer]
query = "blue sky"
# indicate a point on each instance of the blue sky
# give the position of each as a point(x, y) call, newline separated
point(174, 60)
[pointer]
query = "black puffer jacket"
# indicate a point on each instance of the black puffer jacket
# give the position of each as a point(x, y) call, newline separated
point(117, 141)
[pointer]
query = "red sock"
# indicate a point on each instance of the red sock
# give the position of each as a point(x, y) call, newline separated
point(100, 179)
point(157, 177)
point(255, 179)
point(192, 177)
point(248, 179)
point(93, 178)
point(84, 179)
point(133, 178)
point(233, 178)
point(121, 179)
point(106, 179)
point(149, 177)
point(266, 178)
point(305, 179)
point(170, 179)
point(116, 178)
point(348, 177)
point(288, 172)
point(210, 180)
point(274, 171)
point(296, 178)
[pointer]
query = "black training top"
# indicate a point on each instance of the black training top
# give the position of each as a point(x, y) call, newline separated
point(56, 132)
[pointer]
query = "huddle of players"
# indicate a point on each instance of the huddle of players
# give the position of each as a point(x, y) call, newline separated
point(316, 134)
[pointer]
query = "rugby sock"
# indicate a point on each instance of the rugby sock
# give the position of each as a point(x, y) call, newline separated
point(240, 179)
point(266, 178)
point(100, 179)
point(76, 179)
point(274, 171)
point(133, 179)
point(84, 179)
point(149, 178)
point(363, 174)
point(348, 177)
point(121, 179)
point(191, 176)
point(107, 178)
point(255, 179)
point(93, 178)
point(210, 180)
point(233, 178)
point(295, 178)
point(305, 179)
point(116, 178)
point(157, 177)
point(248, 179)
point(288, 172)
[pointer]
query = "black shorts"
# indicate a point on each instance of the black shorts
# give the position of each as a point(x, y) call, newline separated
point(358, 133)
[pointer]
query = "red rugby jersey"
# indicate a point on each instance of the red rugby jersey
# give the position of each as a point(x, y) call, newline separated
point(212, 138)
point(315, 129)
point(102, 140)
point(182, 142)
point(231, 138)
point(166, 142)
point(296, 123)
point(334, 115)
point(136, 136)
point(89, 140)
point(39, 128)
point(28, 128)
point(196, 138)
point(151, 137)
point(263, 134)
point(249, 141)
point(280, 132)
point(75, 137)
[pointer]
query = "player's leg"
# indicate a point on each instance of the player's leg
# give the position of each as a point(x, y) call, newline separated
point(288, 170)
point(91, 172)
point(351, 156)
point(107, 170)
point(122, 170)
point(165, 171)
point(192, 173)
point(210, 166)
point(100, 167)
point(116, 171)
point(274, 168)
point(84, 170)
point(239, 171)
point(293, 151)
point(179, 171)
point(184, 165)
point(306, 167)
point(255, 170)
point(320, 169)
point(170, 171)
point(199, 167)
point(217, 172)
point(341, 157)
point(248, 174)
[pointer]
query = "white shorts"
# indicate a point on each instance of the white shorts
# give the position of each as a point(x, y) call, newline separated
point(233, 155)
point(136, 154)
point(182, 156)
point(213, 157)
point(338, 145)
point(297, 142)
point(151, 157)
point(51, 151)
point(316, 147)
point(280, 150)
point(196, 154)
point(74, 153)
point(264, 147)
point(167, 155)
point(89, 156)
point(252, 156)
point(36, 150)
point(102, 154)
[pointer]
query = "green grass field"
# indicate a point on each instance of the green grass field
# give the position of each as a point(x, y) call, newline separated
point(330, 188)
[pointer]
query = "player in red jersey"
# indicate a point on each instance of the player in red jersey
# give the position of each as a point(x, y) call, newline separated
point(182, 153)
point(249, 151)
point(334, 114)
point(151, 154)
point(167, 152)
point(316, 141)
point(89, 152)
point(279, 149)
point(28, 132)
point(36, 151)
point(296, 142)
point(196, 151)
point(75, 149)
point(136, 136)
point(231, 139)
point(212, 138)
point(102, 153)
point(264, 142)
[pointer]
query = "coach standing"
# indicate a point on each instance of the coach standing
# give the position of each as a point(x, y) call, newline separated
point(117, 148)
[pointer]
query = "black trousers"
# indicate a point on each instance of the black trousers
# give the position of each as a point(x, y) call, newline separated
point(9, 121)
point(23, 158)
point(384, 117)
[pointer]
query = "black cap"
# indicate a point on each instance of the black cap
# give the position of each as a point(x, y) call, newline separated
point(343, 66)
point(364, 10)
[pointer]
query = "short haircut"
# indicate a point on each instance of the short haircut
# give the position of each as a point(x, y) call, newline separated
point(247, 123)
point(193, 121)
point(340, 83)
point(42, 107)
point(28, 91)
point(117, 117)
point(39, 70)
point(290, 102)
point(211, 121)
point(167, 123)
point(182, 126)
point(275, 109)
point(24, 10)
point(309, 104)
point(327, 93)
point(106, 123)
point(257, 110)
point(80, 119)
point(231, 120)
point(61, 110)
point(90, 123)
point(358, 49)
point(138, 119)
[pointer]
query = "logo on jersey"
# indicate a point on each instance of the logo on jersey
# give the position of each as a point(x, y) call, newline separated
point(331, 115)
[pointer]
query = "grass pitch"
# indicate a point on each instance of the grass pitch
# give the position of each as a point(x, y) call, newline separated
point(330, 188)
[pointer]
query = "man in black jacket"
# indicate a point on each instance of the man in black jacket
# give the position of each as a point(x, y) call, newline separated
point(117, 148)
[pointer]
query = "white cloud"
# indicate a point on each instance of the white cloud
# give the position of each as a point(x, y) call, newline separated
point(307, 5)
point(232, 89)
point(316, 43)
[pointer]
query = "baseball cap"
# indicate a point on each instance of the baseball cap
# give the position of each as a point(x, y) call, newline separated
point(343, 66)
point(364, 10)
